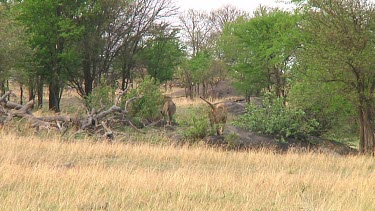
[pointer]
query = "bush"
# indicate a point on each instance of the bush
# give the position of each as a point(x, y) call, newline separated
point(147, 107)
point(275, 118)
point(197, 125)
point(103, 95)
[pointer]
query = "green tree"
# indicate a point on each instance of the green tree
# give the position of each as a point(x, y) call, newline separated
point(52, 31)
point(148, 106)
point(137, 21)
point(14, 52)
point(5, 38)
point(195, 71)
point(162, 53)
point(261, 50)
point(339, 50)
point(325, 103)
point(103, 22)
point(199, 66)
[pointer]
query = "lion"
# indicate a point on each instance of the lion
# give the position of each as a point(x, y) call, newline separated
point(169, 109)
point(218, 116)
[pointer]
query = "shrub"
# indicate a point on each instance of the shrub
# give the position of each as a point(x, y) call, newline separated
point(277, 119)
point(197, 125)
point(103, 95)
point(147, 107)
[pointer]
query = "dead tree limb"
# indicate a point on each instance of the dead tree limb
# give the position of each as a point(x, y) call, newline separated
point(129, 101)
point(12, 105)
point(8, 110)
point(94, 117)
point(3, 99)
point(121, 93)
point(108, 134)
point(23, 113)
point(55, 118)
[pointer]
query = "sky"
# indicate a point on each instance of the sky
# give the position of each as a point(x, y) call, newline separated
point(208, 5)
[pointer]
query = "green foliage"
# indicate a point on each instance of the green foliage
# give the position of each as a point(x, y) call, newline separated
point(13, 49)
point(260, 50)
point(340, 53)
point(199, 66)
point(162, 54)
point(201, 69)
point(147, 107)
point(101, 96)
point(327, 105)
point(52, 34)
point(197, 125)
point(277, 119)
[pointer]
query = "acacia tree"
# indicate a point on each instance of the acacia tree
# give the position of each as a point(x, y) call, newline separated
point(339, 49)
point(219, 18)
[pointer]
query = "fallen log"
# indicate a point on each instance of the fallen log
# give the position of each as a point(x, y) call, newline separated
point(3, 99)
point(94, 117)
point(91, 121)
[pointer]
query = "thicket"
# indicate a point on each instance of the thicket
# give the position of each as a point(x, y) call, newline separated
point(196, 124)
point(274, 118)
point(148, 106)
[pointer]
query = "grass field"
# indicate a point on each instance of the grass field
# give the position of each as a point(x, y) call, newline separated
point(50, 174)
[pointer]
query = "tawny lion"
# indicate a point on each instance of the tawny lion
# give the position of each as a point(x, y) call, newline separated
point(218, 116)
point(169, 109)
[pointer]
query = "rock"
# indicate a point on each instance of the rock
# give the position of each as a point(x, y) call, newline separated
point(215, 140)
point(235, 108)
point(249, 139)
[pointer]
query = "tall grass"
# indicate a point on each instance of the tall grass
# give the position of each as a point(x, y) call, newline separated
point(55, 175)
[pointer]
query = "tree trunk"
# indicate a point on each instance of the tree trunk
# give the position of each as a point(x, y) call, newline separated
point(40, 92)
point(191, 91)
point(278, 83)
point(366, 130)
point(31, 91)
point(54, 96)
point(248, 96)
point(204, 90)
point(21, 93)
point(88, 82)
point(2, 87)
point(125, 77)
point(87, 75)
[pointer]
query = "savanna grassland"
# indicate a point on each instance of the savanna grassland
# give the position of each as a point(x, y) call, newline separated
point(53, 174)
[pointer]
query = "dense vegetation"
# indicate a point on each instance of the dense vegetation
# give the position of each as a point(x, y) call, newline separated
point(317, 60)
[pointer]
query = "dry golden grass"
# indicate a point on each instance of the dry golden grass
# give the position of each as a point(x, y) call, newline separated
point(55, 175)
